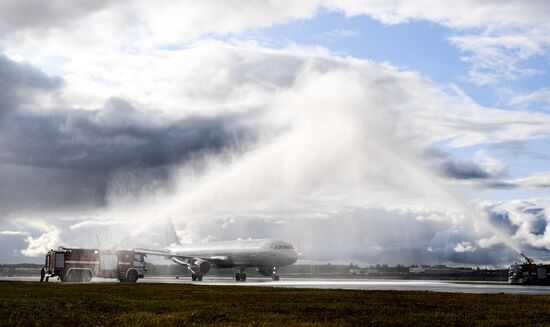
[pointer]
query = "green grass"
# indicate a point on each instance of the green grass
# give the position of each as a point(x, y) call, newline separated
point(163, 305)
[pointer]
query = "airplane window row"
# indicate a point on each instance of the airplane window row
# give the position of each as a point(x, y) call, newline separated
point(286, 247)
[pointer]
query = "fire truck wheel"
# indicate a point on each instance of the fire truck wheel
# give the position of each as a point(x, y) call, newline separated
point(73, 276)
point(86, 276)
point(132, 276)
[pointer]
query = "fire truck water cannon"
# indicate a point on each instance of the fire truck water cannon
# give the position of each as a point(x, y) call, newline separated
point(529, 260)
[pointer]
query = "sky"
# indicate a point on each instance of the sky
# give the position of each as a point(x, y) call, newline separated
point(367, 131)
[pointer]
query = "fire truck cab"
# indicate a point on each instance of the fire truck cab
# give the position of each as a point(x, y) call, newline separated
point(80, 265)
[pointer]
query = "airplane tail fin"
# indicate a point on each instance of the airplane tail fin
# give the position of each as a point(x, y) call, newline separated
point(98, 241)
point(299, 250)
point(170, 232)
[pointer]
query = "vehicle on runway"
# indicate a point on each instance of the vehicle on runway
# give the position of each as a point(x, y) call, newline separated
point(529, 273)
point(266, 255)
point(80, 265)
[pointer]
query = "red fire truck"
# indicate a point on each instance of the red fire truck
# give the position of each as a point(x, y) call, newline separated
point(529, 273)
point(80, 265)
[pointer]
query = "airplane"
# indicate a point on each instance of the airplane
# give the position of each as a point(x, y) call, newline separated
point(266, 255)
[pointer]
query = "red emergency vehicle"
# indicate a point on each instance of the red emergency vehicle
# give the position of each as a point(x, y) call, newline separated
point(528, 273)
point(80, 265)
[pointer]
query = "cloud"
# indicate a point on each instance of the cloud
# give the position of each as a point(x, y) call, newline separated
point(80, 156)
point(464, 170)
point(525, 221)
point(482, 172)
point(535, 181)
point(162, 23)
point(486, 172)
point(247, 77)
point(466, 14)
point(294, 133)
point(91, 140)
point(29, 14)
point(499, 38)
point(21, 83)
point(70, 156)
point(540, 95)
point(9, 232)
point(37, 247)
point(464, 247)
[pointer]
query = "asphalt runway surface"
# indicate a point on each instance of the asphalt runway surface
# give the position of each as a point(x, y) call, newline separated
point(356, 284)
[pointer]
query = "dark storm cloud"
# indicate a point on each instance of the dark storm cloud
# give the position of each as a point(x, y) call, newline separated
point(116, 136)
point(75, 152)
point(449, 167)
point(66, 157)
point(446, 165)
point(463, 170)
point(19, 83)
point(30, 188)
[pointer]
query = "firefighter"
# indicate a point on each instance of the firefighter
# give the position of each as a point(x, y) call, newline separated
point(42, 273)
point(49, 275)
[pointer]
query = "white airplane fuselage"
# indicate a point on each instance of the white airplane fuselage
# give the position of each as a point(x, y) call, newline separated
point(266, 255)
point(260, 253)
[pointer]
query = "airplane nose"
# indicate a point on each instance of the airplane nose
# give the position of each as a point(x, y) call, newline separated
point(293, 256)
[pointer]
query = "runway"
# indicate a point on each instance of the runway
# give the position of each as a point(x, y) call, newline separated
point(356, 284)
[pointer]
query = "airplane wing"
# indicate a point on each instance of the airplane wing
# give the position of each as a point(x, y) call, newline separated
point(180, 258)
point(162, 253)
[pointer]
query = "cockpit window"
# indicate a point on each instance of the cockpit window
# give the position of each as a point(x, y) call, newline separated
point(283, 247)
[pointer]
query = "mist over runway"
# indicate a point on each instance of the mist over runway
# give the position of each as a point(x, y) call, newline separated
point(351, 284)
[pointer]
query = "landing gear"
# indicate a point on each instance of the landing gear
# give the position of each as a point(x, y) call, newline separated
point(195, 277)
point(274, 276)
point(240, 276)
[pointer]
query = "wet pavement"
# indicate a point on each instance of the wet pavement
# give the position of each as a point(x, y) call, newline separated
point(358, 284)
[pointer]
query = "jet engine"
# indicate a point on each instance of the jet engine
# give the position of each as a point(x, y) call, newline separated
point(200, 267)
point(265, 271)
